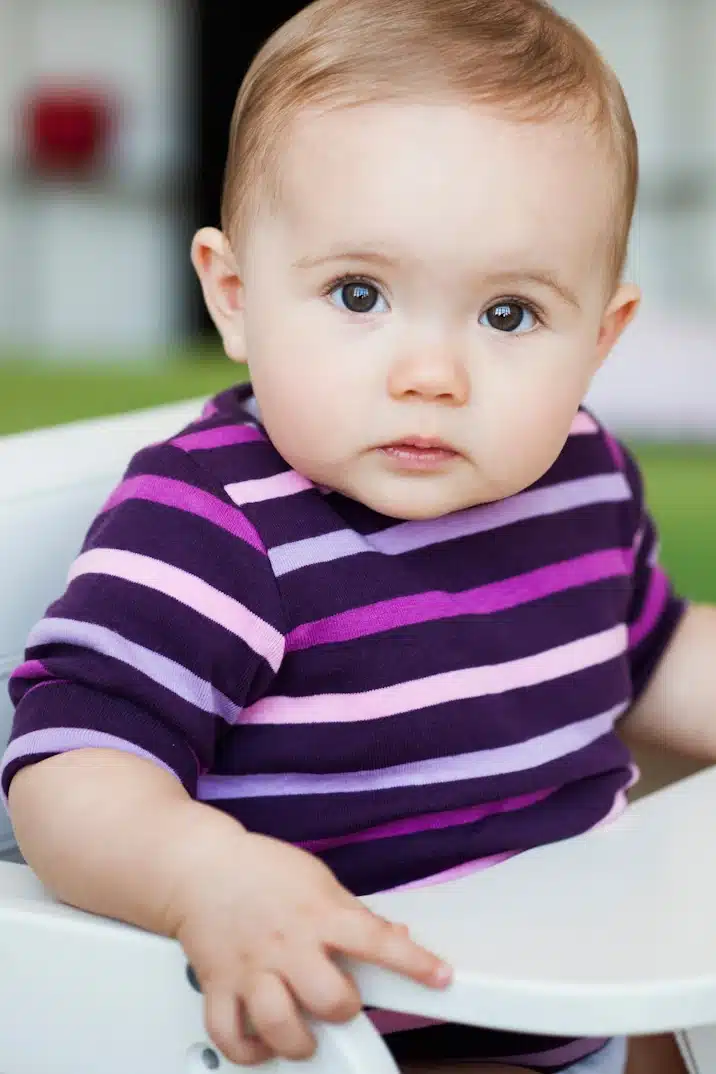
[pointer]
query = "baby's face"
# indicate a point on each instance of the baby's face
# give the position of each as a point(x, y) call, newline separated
point(425, 306)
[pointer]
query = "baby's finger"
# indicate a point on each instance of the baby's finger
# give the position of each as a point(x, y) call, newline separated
point(226, 1027)
point(360, 934)
point(274, 1017)
point(320, 986)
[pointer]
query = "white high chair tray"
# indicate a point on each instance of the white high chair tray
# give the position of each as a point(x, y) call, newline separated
point(610, 933)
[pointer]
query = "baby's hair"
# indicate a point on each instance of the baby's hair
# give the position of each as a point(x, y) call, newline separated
point(518, 55)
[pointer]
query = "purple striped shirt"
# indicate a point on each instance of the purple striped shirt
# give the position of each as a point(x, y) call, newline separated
point(408, 700)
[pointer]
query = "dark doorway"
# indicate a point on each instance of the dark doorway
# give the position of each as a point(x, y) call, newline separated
point(228, 37)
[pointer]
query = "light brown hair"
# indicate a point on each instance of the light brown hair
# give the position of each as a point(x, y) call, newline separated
point(519, 55)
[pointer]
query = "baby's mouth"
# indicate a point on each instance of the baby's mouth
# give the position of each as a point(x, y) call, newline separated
point(419, 452)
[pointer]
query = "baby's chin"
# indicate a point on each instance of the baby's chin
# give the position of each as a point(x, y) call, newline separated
point(415, 499)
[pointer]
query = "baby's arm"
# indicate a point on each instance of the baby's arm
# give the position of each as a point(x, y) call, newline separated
point(672, 647)
point(259, 920)
point(678, 707)
point(171, 622)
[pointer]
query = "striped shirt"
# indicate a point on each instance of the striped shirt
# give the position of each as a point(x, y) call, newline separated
point(410, 701)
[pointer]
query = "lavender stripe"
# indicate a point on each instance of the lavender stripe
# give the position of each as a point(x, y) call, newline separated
point(64, 739)
point(160, 669)
point(482, 600)
point(479, 764)
point(224, 436)
point(410, 536)
point(554, 499)
point(338, 544)
point(169, 492)
point(467, 868)
point(428, 822)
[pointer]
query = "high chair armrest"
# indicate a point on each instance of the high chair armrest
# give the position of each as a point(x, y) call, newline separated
point(80, 994)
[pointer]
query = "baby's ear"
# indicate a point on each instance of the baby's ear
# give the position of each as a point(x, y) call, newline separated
point(215, 265)
point(620, 311)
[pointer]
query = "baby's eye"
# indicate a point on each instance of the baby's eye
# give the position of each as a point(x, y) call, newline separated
point(511, 317)
point(358, 296)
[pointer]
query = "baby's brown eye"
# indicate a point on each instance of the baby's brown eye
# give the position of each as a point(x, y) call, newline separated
point(509, 317)
point(357, 296)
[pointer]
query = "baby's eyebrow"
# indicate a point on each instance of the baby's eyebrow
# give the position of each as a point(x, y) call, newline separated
point(541, 277)
point(369, 256)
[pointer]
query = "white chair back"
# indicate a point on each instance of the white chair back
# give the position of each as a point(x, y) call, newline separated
point(52, 482)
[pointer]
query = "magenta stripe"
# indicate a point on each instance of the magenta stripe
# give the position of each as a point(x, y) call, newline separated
point(224, 436)
point(64, 739)
point(394, 1021)
point(32, 669)
point(566, 1053)
point(619, 805)
point(431, 821)
point(654, 604)
point(172, 493)
point(615, 450)
point(482, 600)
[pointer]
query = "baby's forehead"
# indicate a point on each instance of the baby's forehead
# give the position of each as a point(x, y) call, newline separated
point(388, 161)
point(437, 194)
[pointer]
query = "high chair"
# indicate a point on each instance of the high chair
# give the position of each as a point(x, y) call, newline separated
point(610, 933)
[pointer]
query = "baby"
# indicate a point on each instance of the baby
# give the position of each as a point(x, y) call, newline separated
point(375, 620)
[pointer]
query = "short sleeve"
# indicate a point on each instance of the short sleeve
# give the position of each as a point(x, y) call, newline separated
point(170, 624)
point(654, 608)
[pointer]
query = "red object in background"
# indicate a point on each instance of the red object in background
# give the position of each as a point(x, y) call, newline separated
point(67, 129)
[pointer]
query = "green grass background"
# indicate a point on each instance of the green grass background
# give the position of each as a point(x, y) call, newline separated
point(680, 478)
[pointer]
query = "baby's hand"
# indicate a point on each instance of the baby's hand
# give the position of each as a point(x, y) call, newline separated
point(259, 930)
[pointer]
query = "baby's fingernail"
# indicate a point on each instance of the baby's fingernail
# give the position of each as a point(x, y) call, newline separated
point(443, 974)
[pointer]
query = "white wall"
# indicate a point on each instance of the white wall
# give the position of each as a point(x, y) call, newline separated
point(101, 268)
point(662, 378)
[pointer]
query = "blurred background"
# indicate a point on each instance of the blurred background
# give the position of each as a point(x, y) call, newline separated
point(113, 125)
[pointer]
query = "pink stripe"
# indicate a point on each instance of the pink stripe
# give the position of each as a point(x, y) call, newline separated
point(439, 689)
point(171, 493)
point(466, 869)
point(656, 598)
point(583, 424)
point(483, 600)
point(190, 591)
point(268, 488)
point(64, 739)
point(431, 821)
point(619, 804)
point(224, 436)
